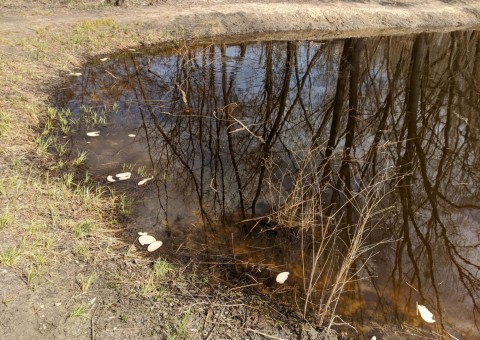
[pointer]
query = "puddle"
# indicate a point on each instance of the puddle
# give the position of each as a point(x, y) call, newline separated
point(301, 156)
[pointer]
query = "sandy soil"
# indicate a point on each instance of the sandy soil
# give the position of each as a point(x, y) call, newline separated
point(37, 46)
point(232, 17)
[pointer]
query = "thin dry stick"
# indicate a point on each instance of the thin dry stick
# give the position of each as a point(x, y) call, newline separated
point(264, 334)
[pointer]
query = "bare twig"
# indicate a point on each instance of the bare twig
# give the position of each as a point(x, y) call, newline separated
point(264, 334)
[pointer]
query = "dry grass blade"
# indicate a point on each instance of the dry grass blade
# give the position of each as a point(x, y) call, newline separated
point(334, 221)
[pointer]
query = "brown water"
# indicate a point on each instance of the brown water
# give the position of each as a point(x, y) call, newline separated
point(271, 156)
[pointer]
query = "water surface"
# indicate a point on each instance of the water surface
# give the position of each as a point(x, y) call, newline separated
point(279, 156)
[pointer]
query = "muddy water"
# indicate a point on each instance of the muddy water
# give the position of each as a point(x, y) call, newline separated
point(308, 157)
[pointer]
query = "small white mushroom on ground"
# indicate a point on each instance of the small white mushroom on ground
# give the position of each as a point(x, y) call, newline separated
point(282, 277)
point(146, 239)
point(142, 233)
point(132, 135)
point(426, 315)
point(93, 134)
point(75, 74)
point(154, 246)
point(111, 179)
point(104, 59)
point(145, 180)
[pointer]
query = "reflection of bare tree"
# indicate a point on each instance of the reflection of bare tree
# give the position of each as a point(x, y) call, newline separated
point(219, 117)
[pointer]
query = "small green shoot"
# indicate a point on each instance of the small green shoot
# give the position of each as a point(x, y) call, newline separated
point(4, 124)
point(148, 287)
point(124, 205)
point(161, 268)
point(82, 228)
point(43, 143)
point(61, 148)
point(9, 256)
point(181, 331)
point(5, 219)
point(6, 300)
point(85, 283)
point(80, 159)
point(142, 171)
point(79, 311)
point(34, 272)
point(68, 179)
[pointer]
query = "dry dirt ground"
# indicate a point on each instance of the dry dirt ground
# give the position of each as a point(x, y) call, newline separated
point(64, 270)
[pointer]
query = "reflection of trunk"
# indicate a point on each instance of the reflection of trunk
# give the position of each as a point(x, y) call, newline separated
point(282, 104)
point(218, 179)
point(413, 144)
point(386, 110)
point(353, 116)
point(338, 103)
point(228, 109)
point(405, 163)
point(268, 87)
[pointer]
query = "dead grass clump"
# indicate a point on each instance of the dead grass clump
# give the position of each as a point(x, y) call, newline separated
point(334, 219)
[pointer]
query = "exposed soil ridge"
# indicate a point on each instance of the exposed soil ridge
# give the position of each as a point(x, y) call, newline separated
point(205, 19)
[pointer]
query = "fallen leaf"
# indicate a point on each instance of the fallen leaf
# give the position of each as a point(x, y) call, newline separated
point(282, 277)
point(154, 246)
point(145, 180)
point(119, 177)
point(93, 134)
point(426, 315)
point(146, 239)
point(75, 74)
point(123, 176)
